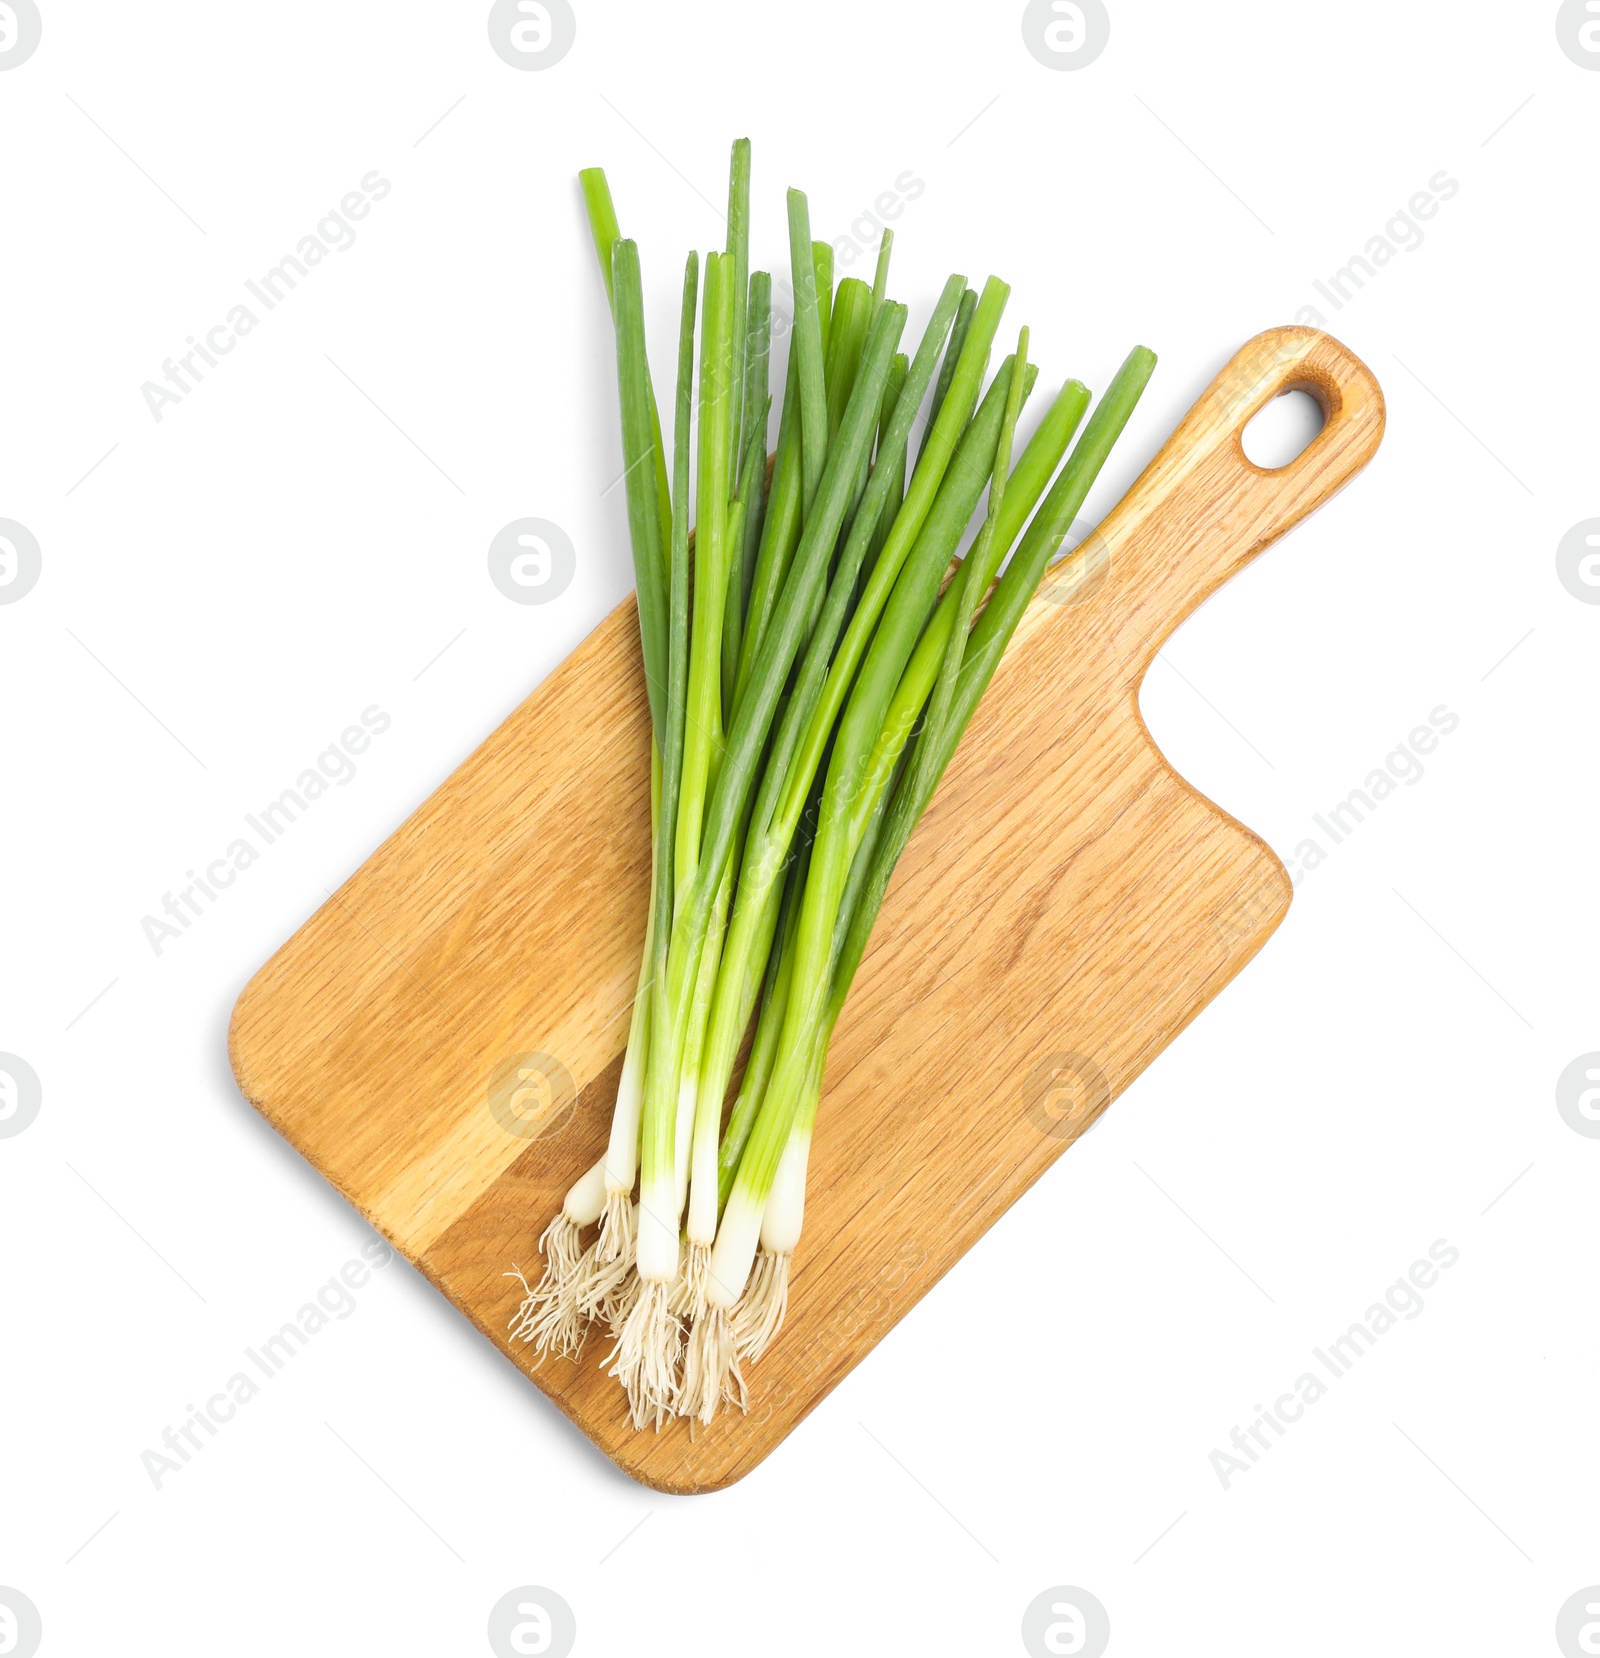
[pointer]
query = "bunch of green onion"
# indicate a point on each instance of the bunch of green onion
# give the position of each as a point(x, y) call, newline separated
point(810, 672)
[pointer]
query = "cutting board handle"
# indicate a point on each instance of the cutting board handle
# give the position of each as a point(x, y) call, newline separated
point(1202, 509)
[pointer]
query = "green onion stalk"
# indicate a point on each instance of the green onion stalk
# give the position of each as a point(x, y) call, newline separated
point(645, 1355)
point(1026, 484)
point(786, 786)
point(606, 1288)
point(797, 751)
point(808, 682)
point(711, 1365)
point(855, 782)
point(647, 1368)
point(761, 1311)
point(757, 709)
point(549, 1314)
point(771, 831)
point(952, 666)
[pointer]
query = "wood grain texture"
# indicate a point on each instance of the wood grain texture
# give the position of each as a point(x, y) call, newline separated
point(987, 1029)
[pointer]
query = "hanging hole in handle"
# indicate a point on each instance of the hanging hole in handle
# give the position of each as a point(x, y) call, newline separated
point(1283, 430)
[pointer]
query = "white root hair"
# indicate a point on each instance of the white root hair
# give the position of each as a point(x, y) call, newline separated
point(758, 1316)
point(548, 1313)
point(646, 1354)
point(619, 1229)
point(689, 1293)
point(711, 1373)
point(526, 1317)
point(609, 1286)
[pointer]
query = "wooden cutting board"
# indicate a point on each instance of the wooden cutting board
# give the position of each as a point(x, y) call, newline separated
point(442, 1039)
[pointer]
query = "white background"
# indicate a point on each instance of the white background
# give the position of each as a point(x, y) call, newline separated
point(304, 534)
